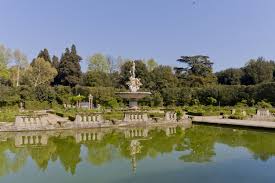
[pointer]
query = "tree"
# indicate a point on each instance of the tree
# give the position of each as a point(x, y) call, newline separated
point(69, 71)
point(98, 62)
point(230, 76)
point(112, 62)
point(198, 70)
point(40, 72)
point(162, 77)
point(5, 58)
point(151, 64)
point(55, 62)
point(258, 71)
point(97, 78)
point(21, 62)
point(45, 55)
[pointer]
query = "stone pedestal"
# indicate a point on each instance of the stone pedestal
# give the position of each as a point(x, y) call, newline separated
point(90, 101)
point(133, 104)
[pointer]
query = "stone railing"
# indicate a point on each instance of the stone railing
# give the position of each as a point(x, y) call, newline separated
point(170, 131)
point(263, 114)
point(136, 132)
point(88, 136)
point(86, 120)
point(136, 117)
point(30, 139)
point(31, 122)
point(170, 116)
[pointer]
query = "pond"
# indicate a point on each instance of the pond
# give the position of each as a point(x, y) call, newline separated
point(157, 154)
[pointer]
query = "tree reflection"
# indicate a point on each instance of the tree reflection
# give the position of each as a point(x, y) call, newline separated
point(196, 145)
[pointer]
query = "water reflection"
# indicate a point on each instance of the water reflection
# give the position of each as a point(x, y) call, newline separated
point(134, 144)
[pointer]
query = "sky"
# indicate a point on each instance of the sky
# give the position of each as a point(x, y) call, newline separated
point(230, 32)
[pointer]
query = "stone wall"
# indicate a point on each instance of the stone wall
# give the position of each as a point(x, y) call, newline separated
point(136, 117)
point(88, 120)
point(88, 136)
point(170, 131)
point(170, 116)
point(30, 122)
point(263, 114)
point(136, 132)
point(36, 139)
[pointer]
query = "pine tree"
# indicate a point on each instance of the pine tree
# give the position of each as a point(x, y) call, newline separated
point(69, 71)
point(45, 55)
point(55, 61)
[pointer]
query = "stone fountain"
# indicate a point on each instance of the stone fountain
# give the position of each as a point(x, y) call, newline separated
point(134, 84)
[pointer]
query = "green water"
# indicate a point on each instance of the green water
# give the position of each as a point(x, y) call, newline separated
point(200, 154)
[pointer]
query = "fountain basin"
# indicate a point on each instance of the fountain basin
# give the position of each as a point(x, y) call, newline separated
point(133, 97)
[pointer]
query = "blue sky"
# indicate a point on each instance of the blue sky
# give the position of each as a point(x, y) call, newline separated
point(229, 31)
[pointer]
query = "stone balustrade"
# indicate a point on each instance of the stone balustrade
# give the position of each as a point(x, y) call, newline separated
point(170, 116)
point(263, 114)
point(30, 139)
point(88, 136)
point(30, 122)
point(136, 117)
point(85, 120)
point(170, 131)
point(136, 132)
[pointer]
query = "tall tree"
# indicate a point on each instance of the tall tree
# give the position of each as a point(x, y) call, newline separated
point(45, 55)
point(21, 62)
point(230, 76)
point(98, 62)
point(96, 79)
point(40, 72)
point(55, 61)
point(198, 70)
point(258, 71)
point(112, 62)
point(69, 71)
point(162, 77)
point(5, 58)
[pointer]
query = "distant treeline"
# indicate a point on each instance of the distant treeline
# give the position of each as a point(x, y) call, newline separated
point(52, 80)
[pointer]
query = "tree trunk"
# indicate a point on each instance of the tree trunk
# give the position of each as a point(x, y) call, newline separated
point(18, 76)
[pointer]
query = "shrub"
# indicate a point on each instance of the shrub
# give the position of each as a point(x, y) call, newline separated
point(36, 105)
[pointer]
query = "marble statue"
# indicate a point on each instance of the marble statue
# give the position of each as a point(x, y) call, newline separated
point(133, 83)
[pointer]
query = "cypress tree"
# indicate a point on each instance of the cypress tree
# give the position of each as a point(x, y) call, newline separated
point(69, 71)
point(45, 55)
point(55, 62)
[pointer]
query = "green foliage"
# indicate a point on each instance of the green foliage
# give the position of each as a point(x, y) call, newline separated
point(258, 71)
point(37, 105)
point(157, 100)
point(40, 72)
point(151, 64)
point(264, 104)
point(99, 63)
point(162, 77)
point(45, 55)
point(198, 71)
point(211, 100)
point(69, 71)
point(45, 93)
point(96, 79)
point(8, 96)
point(7, 114)
point(230, 76)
